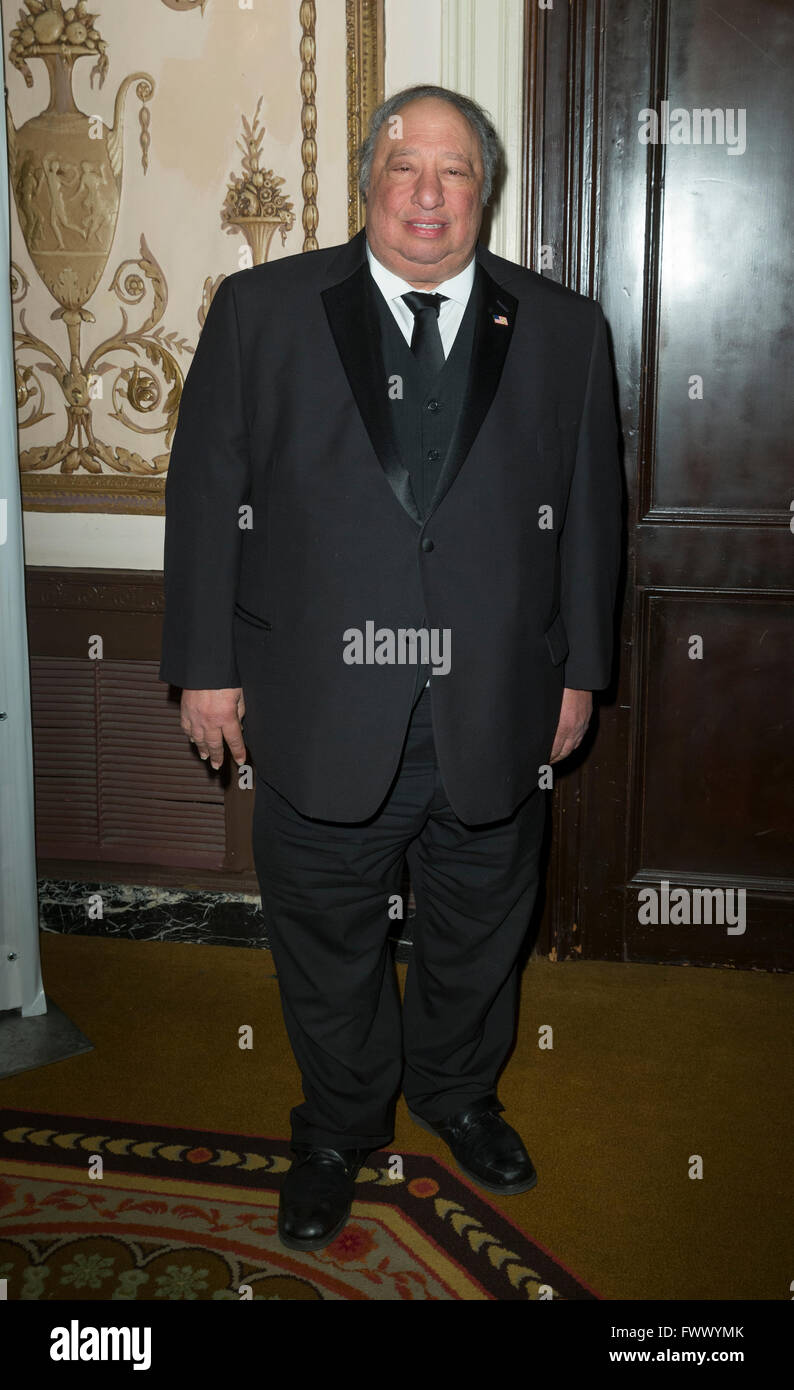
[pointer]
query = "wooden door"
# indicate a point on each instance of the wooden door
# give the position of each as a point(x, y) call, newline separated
point(685, 240)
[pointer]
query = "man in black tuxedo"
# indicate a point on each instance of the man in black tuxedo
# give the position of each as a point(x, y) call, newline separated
point(392, 543)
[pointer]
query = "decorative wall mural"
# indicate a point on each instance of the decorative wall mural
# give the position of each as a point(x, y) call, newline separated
point(99, 391)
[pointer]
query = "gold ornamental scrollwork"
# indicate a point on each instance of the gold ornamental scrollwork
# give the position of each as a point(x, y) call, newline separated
point(134, 386)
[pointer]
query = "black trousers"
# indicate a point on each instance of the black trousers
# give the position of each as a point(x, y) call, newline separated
point(326, 889)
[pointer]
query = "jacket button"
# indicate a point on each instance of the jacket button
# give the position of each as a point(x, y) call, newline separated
point(432, 405)
point(432, 455)
point(427, 544)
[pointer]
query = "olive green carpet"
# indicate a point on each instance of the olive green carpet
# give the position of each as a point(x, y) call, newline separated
point(655, 1073)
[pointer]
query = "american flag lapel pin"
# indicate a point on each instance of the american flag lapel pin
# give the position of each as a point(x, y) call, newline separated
point(500, 318)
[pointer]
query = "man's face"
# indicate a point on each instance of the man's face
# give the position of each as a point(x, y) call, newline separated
point(424, 204)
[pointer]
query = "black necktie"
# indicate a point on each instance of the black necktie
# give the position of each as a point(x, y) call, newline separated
point(426, 344)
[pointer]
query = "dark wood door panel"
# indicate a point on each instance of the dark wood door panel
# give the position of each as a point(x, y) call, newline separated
point(711, 794)
point(714, 556)
point(690, 935)
point(726, 274)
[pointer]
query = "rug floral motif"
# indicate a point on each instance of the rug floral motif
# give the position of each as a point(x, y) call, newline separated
point(180, 1214)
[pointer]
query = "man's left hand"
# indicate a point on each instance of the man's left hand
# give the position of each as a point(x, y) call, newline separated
point(577, 707)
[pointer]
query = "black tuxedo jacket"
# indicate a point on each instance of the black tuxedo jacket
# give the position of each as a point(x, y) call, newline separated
point(290, 521)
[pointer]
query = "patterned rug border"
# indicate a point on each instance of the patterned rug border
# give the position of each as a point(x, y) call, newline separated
point(443, 1266)
point(259, 1172)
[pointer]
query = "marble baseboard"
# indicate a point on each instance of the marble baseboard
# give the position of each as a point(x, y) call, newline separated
point(137, 912)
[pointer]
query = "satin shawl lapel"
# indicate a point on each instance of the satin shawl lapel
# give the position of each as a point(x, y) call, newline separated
point(354, 323)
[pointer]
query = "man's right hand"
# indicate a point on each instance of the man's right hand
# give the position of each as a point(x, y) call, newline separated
point(209, 717)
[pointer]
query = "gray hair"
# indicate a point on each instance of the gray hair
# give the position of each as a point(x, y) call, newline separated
point(478, 118)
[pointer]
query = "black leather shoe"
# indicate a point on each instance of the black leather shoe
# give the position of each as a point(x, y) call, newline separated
point(316, 1195)
point(486, 1148)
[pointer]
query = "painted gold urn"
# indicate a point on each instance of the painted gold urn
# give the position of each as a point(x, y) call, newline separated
point(66, 166)
point(65, 169)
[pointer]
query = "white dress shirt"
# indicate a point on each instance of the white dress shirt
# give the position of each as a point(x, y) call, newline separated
point(457, 291)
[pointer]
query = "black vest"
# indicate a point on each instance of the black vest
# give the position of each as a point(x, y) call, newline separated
point(424, 410)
